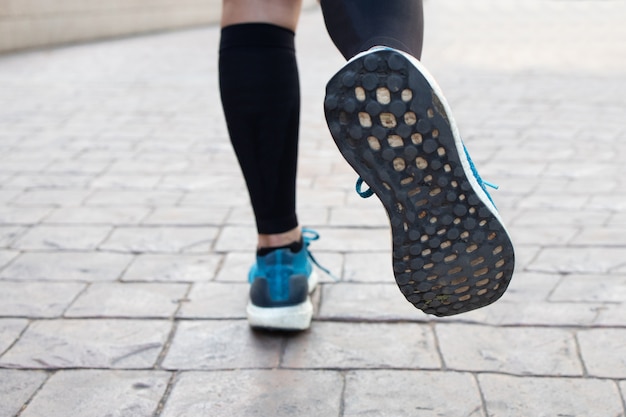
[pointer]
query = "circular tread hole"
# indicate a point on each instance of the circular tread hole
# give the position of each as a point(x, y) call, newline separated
point(410, 118)
point(365, 119)
point(388, 120)
point(359, 93)
point(399, 164)
point(395, 141)
point(383, 96)
point(374, 143)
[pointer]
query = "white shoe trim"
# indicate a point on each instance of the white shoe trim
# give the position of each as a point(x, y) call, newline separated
point(296, 317)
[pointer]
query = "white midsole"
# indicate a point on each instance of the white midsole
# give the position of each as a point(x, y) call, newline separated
point(296, 317)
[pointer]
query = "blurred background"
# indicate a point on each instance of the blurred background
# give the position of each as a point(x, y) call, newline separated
point(125, 232)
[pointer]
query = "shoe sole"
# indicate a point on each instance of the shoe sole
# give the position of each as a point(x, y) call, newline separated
point(390, 121)
point(291, 318)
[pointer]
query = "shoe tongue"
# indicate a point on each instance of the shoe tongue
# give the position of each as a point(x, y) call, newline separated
point(293, 247)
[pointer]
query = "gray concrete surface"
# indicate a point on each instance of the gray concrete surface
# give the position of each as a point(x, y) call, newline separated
point(125, 235)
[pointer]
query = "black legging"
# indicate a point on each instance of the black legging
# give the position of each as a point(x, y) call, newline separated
point(261, 96)
point(357, 25)
point(261, 99)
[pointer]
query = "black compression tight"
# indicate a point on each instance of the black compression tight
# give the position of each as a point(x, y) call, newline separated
point(261, 95)
point(357, 25)
point(261, 99)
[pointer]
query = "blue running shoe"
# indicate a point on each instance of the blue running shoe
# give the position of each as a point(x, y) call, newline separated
point(391, 122)
point(281, 282)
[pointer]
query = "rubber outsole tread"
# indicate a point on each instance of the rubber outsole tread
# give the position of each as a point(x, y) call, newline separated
point(451, 254)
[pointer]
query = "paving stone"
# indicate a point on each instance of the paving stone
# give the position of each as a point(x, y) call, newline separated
point(213, 300)
point(511, 396)
point(7, 196)
point(521, 351)
point(222, 344)
point(366, 302)
point(611, 202)
point(333, 181)
point(237, 238)
point(106, 343)
point(310, 198)
point(67, 266)
point(14, 163)
point(590, 260)
point(149, 198)
point(98, 215)
point(48, 181)
point(369, 267)
point(125, 182)
point(601, 236)
point(7, 256)
point(137, 300)
point(173, 268)
point(247, 393)
point(342, 217)
point(591, 288)
point(213, 183)
point(356, 240)
point(63, 238)
point(507, 312)
point(10, 330)
point(572, 218)
point(415, 393)
point(160, 166)
point(161, 239)
point(603, 352)
point(54, 198)
point(235, 267)
point(542, 235)
point(545, 201)
point(78, 166)
point(333, 345)
point(22, 215)
point(99, 393)
point(617, 219)
point(186, 216)
point(209, 200)
point(8, 235)
point(611, 315)
point(36, 299)
point(525, 303)
point(17, 387)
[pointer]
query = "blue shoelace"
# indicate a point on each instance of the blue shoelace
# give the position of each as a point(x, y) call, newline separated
point(483, 184)
point(308, 236)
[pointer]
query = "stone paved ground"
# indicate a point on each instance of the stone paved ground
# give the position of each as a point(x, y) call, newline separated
point(125, 234)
